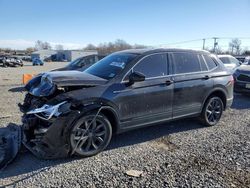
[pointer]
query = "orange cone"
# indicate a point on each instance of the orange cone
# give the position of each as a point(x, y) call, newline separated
point(27, 78)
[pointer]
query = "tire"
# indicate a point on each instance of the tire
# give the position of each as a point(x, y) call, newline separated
point(88, 139)
point(212, 111)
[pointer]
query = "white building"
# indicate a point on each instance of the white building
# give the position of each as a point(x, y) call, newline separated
point(61, 55)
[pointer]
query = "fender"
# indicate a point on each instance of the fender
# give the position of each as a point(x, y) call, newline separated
point(97, 107)
point(212, 91)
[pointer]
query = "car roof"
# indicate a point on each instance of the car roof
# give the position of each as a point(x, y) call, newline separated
point(157, 50)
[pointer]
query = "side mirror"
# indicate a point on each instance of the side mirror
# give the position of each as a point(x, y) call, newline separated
point(136, 77)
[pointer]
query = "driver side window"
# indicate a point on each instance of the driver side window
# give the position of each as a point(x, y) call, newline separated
point(152, 66)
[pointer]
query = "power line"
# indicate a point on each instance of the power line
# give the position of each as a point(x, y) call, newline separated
point(242, 38)
point(182, 42)
point(204, 39)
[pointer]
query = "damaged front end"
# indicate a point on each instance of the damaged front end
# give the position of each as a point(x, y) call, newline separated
point(50, 108)
point(45, 130)
point(47, 86)
point(40, 90)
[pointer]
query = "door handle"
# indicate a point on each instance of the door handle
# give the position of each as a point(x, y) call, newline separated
point(169, 82)
point(206, 77)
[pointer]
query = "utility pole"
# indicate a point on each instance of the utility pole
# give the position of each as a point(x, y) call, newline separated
point(204, 41)
point(215, 43)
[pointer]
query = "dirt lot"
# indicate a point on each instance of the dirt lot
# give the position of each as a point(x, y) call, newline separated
point(181, 153)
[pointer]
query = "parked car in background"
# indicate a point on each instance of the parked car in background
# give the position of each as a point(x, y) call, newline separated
point(10, 61)
point(37, 61)
point(74, 112)
point(26, 58)
point(247, 61)
point(230, 62)
point(242, 79)
point(82, 63)
point(240, 58)
point(2, 61)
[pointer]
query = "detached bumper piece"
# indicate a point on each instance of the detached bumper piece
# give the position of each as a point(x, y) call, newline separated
point(10, 144)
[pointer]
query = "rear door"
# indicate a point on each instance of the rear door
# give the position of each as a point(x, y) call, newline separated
point(191, 83)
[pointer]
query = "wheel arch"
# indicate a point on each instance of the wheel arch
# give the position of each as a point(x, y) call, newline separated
point(106, 110)
point(219, 92)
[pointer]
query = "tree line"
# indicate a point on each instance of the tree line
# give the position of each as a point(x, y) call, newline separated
point(102, 48)
point(234, 47)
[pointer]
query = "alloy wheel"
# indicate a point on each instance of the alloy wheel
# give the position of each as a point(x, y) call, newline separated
point(89, 136)
point(214, 110)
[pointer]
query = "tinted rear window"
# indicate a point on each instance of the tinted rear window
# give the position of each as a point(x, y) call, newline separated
point(225, 60)
point(210, 62)
point(186, 62)
point(202, 63)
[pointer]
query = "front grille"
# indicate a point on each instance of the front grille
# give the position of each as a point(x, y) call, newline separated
point(244, 78)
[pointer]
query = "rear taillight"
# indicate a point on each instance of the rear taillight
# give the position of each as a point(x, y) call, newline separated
point(232, 79)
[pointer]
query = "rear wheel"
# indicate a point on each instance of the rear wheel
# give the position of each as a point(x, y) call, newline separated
point(90, 135)
point(212, 111)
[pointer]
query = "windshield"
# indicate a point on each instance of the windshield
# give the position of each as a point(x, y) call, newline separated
point(75, 62)
point(110, 66)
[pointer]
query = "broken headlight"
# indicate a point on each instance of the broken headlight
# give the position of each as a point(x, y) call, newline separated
point(46, 112)
point(45, 88)
point(46, 79)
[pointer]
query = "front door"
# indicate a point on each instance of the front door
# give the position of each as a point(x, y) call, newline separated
point(150, 100)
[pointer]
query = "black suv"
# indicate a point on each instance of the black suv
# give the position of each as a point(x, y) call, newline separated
point(73, 112)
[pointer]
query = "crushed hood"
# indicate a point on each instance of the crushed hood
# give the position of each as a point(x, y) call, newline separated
point(45, 84)
point(75, 78)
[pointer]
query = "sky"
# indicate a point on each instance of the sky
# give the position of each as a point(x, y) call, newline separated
point(159, 23)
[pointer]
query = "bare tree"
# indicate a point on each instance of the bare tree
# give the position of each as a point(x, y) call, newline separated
point(30, 50)
point(110, 47)
point(138, 46)
point(59, 47)
point(90, 47)
point(219, 50)
point(246, 52)
point(121, 45)
point(40, 45)
point(234, 46)
point(46, 46)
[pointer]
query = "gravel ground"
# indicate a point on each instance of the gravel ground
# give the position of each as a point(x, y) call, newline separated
point(178, 154)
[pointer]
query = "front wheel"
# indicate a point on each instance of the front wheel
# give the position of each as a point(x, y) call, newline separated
point(212, 111)
point(90, 135)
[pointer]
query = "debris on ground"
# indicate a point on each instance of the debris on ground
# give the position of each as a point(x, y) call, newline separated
point(134, 173)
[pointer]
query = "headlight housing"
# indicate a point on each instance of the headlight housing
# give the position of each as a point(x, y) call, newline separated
point(46, 112)
point(46, 87)
point(46, 79)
